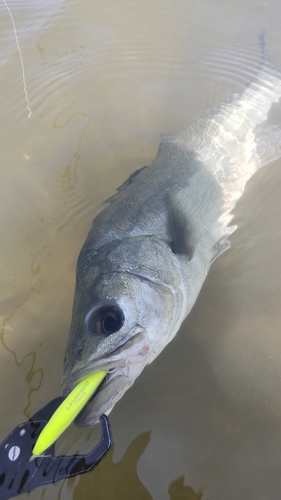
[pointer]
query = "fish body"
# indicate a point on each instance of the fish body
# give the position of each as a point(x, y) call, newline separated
point(148, 252)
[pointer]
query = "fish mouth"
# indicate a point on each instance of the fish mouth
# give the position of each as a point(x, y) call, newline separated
point(123, 365)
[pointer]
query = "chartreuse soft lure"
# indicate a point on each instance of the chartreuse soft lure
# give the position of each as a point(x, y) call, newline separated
point(67, 411)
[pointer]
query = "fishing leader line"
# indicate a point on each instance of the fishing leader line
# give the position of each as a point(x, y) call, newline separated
point(21, 58)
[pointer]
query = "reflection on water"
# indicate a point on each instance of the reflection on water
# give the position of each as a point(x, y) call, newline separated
point(33, 375)
point(121, 480)
point(104, 79)
point(117, 480)
point(178, 491)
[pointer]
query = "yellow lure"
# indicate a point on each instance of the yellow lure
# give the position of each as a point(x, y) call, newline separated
point(67, 411)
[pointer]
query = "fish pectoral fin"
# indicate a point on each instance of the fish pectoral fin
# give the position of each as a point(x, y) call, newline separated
point(183, 233)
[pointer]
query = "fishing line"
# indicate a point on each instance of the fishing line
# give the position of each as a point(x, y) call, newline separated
point(21, 59)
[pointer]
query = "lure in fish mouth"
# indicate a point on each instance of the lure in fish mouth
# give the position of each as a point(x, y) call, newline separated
point(149, 251)
point(122, 369)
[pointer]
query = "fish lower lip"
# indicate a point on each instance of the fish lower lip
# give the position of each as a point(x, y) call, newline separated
point(117, 381)
point(123, 365)
point(104, 381)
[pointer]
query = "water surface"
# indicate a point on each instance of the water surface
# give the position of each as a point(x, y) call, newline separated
point(103, 80)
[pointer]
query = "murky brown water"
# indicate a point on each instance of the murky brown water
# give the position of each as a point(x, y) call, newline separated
point(103, 80)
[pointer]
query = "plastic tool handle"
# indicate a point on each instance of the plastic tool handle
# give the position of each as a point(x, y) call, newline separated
point(18, 475)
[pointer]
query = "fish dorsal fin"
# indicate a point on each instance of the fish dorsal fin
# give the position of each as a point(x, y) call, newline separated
point(182, 230)
point(171, 146)
point(125, 184)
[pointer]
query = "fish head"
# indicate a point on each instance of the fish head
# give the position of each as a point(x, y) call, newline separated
point(125, 309)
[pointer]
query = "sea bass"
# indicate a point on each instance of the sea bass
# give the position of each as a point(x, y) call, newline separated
point(149, 251)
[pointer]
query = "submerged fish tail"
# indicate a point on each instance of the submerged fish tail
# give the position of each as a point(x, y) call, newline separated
point(238, 139)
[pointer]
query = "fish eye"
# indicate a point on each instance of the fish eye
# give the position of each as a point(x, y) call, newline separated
point(104, 319)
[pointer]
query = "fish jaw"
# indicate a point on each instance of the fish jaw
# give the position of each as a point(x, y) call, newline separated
point(123, 366)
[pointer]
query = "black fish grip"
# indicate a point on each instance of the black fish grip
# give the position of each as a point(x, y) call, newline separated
point(20, 475)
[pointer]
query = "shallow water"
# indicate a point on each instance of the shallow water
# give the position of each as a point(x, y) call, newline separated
point(103, 80)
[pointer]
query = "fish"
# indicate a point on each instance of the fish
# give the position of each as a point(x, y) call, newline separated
point(149, 250)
